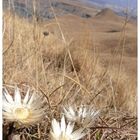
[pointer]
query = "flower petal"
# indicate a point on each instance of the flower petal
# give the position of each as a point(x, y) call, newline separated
point(78, 134)
point(17, 96)
point(63, 125)
point(69, 128)
point(56, 128)
point(8, 97)
point(71, 111)
point(31, 99)
point(26, 98)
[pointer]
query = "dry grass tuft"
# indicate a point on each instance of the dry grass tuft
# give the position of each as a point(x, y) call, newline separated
point(68, 72)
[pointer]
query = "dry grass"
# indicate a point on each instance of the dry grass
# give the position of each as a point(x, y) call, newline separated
point(69, 70)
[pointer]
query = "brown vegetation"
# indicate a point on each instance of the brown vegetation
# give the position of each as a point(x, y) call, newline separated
point(81, 61)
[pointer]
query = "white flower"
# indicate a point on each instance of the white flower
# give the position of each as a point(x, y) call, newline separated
point(24, 111)
point(83, 115)
point(62, 132)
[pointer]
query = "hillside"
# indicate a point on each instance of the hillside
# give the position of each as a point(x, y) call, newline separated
point(44, 11)
point(72, 54)
point(108, 14)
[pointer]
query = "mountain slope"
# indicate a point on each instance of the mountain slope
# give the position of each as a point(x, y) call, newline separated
point(107, 14)
point(44, 11)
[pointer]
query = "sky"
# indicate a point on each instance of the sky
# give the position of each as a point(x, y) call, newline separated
point(122, 3)
point(118, 5)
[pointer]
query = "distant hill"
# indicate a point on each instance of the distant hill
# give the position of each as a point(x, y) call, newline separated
point(44, 11)
point(108, 14)
point(119, 6)
point(81, 8)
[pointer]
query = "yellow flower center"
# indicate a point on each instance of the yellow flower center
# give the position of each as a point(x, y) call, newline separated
point(63, 136)
point(21, 113)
